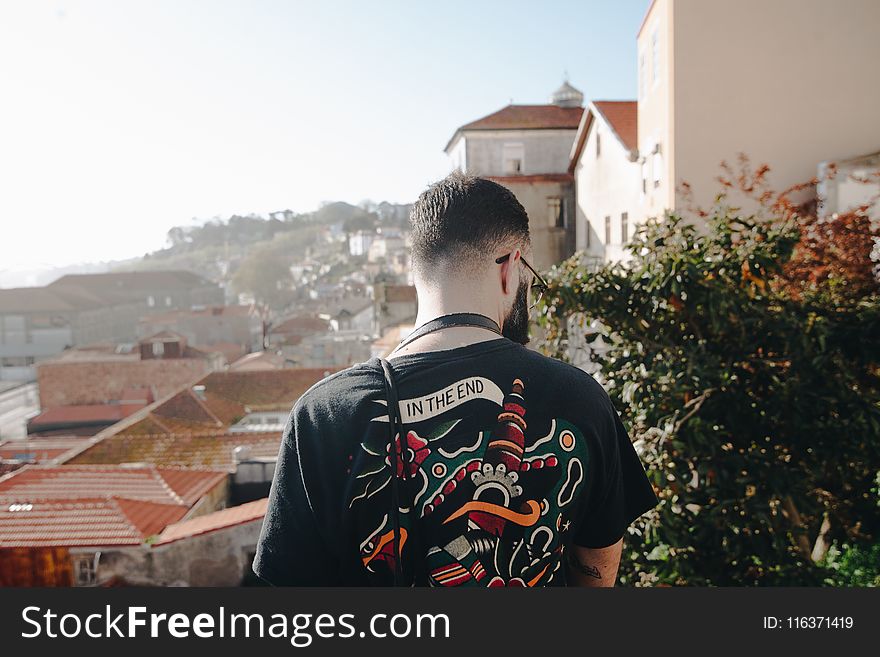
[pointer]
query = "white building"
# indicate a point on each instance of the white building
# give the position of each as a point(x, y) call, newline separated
point(850, 184)
point(527, 149)
point(604, 161)
point(789, 83)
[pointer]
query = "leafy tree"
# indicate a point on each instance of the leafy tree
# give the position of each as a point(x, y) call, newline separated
point(746, 364)
point(265, 276)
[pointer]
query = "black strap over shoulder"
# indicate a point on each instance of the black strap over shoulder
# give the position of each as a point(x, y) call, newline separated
point(395, 425)
point(448, 321)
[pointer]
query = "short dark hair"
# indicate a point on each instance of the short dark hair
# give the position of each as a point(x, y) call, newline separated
point(462, 219)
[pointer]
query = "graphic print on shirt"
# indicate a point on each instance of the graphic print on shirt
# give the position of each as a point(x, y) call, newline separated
point(490, 503)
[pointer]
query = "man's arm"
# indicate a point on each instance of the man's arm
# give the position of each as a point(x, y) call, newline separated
point(593, 566)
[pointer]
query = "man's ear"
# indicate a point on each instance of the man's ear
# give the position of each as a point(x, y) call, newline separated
point(508, 272)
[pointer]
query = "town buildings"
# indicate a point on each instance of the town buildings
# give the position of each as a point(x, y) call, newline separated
point(240, 327)
point(37, 323)
point(57, 523)
point(86, 390)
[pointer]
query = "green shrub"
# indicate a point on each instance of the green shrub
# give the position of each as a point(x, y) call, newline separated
point(751, 390)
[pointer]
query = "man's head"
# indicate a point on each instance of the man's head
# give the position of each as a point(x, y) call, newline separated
point(460, 226)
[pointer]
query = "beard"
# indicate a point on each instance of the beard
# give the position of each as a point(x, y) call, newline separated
point(516, 324)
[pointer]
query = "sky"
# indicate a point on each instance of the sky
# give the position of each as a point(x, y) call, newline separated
point(121, 119)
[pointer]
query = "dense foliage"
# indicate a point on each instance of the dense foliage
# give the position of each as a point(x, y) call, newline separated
point(744, 357)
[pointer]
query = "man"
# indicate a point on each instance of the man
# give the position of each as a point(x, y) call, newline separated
point(514, 469)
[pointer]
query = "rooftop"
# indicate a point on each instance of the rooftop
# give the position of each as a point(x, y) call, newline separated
point(86, 414)
point(525, 117)
point(236, 515)
point(621, 117)
point(39, 449)
point(258, 361)
point(84, 522)
point(169, 449)
point(179, 486)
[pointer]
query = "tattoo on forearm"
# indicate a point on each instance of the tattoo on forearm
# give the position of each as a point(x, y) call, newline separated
point(584, 569)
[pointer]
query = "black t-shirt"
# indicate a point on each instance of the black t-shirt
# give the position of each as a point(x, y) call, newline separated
point(510, 456)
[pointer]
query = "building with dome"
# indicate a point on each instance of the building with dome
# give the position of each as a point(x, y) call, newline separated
point(527, 149)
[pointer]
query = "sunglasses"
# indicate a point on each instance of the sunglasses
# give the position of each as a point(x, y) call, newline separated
point(539, 286)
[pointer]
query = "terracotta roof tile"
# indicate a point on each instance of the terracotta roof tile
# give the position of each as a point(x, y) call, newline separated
point(211, 522)
point(85, 522)
point(40, 449)
point(400, 294)
point(536, 178)
point(525, 117)
point(302, 325)
point(85, 413)
point(622, 116)
point(528, 117)
point(205, 451)
point(160, 485)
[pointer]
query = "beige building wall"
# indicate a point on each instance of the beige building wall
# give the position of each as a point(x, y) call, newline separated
point(656, 78)
point(790, 83)
point(550, 245)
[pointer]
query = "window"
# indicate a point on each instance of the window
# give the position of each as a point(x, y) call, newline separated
point(158, 349)
point(655, 57)
point(555, 214)
point(607, 230)
point(151, 302)
point(512, 156)
point(624, 227)
point(598, 144)
point(644, 176)
point(84, 570)
point(642, 74)
point(167, 301)
point(588, 230)
point(656, 168)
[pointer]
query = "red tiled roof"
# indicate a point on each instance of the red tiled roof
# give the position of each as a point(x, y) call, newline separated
point(525, 117)
point(160, 485)
point(276, 389)
point(84, 522)
point(203, 451)
point(528, 117)
point(620, 115)
point(229, 350)
point(40, 449)
point(170, 278)
point(83, 414)
point(186, 405)
point(237, 515)
point(260, 360)
point(207, 311)
point(400, 294)
point(301, 326)
point(536, 178)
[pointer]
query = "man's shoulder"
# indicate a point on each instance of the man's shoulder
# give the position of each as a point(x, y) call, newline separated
point(560, 373)
point(339, 388)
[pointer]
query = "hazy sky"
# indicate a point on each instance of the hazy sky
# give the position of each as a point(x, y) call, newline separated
point(121, 119)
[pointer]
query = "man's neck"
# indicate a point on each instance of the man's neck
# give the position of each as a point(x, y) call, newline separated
point(434, 306)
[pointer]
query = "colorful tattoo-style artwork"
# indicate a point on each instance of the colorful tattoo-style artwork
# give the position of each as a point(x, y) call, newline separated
point(483, 506)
